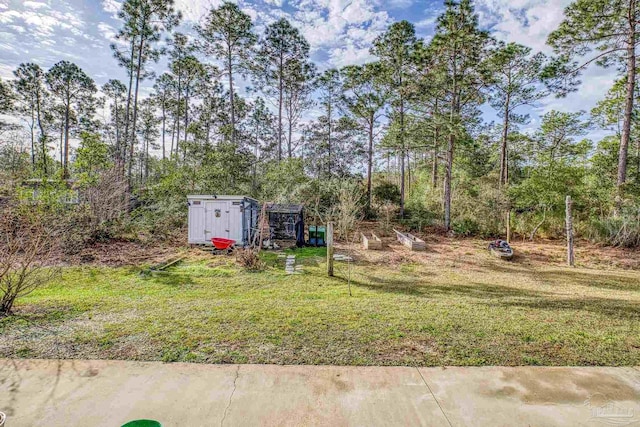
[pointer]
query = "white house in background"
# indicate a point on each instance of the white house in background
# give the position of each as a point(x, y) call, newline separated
point(230, 217)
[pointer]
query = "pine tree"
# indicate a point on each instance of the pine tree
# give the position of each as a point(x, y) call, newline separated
point(144, 23)
point(396, 50)
point(74, 91)
point(32, 95)
point(462, 51)
point(281, 46)
point(227, 35)
point(515, 75)
point(605, 32)
point(365, 99)
point(115, 91)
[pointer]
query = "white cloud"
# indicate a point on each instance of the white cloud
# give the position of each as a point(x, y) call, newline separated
point(35, 5)
point(111, 6)
point(194, 10)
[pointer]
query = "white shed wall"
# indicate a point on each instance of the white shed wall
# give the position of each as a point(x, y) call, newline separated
point(219, 216)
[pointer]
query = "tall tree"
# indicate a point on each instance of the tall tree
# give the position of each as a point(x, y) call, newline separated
point(396, 49)
point(330, 92)
point(604, 32)
point(144, 23)
point(190, 72)
point(514, 84)
point(181, 49)
point(74, 91)
point(227, 35)
point(115, 91)
point(149, 133)
point(281, 46)
point(365, 99)
point(461, 49)
point(163, 93)
point(29, 86)
point(298, 90)
point(260, 128)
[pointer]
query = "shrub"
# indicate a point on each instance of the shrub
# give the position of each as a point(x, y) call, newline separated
point(623, 231)
point(27, 240)
point(249, 259)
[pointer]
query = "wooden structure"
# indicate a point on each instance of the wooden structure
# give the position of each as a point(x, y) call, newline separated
point(411, 241)
point(371, 242)
point(330, 249)
point(571, 257)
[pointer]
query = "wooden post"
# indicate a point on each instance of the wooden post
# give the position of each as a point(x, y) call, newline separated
point(570, 254)
point(329, 238)
point(509, 226)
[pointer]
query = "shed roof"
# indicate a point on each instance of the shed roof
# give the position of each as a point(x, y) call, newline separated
point(284, 208)
point(217, 197)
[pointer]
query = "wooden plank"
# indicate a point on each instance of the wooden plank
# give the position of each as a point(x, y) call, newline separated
point(412, 242)
point(371, 242)
point(329, 239)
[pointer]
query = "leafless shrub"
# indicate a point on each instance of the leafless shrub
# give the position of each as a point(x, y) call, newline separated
point(27, 239)
point(621, 231)
point(347, 210)
point(249, 259)
point(106, 199)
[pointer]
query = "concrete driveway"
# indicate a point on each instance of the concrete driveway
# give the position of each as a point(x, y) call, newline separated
point(110, 393)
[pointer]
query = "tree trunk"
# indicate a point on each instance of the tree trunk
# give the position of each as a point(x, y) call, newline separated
point(186, 121)
point(164, 129)
point(231, 96)
point(43, 135)
point(329, 140)
point(436, 137)
point(402, 155)
point(626, 126)
point(121, 150)
point(504, 167)
point(447, 182)
point(135, 110)
point(281, 88)
point(370, 163)
point(290, 139)
point(65, 168)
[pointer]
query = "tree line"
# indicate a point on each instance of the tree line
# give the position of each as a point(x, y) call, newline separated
point(410, 122)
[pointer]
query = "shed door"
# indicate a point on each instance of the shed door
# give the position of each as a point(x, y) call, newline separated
point(217, 223)
point(235, 222)
point(197, 222)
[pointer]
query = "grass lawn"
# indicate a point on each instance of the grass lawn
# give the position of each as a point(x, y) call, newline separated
point(406, 309)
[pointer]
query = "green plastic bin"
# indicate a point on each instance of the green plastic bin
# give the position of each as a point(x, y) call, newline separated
point(142, 423)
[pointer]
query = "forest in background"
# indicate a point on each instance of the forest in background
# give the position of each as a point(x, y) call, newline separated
point(401, 138)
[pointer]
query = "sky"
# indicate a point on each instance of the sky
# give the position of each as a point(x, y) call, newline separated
point(340, 33)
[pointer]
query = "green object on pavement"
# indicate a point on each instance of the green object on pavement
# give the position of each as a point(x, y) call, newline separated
point(142, 423)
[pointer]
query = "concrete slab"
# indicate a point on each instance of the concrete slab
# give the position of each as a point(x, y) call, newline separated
point(332, 396)
point(110, 393)
point(537, 396)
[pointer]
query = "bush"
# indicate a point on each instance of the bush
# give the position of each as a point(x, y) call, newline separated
point(622, 231)
point(417, 217)
point(249, 259)
point(27, 239)
point(466, 227)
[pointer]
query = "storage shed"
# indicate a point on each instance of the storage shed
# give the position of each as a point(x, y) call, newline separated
point(230, 217)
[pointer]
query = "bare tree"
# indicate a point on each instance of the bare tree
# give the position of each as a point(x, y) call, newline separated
point(26, 242)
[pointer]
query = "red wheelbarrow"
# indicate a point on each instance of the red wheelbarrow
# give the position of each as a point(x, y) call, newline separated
point(221, 245)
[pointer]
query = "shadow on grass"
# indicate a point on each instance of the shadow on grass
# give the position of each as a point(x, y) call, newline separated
point(593, 279)
point(504, 296)
point(169, 278)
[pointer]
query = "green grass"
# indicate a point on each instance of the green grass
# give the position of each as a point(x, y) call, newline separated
point(209, 310)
